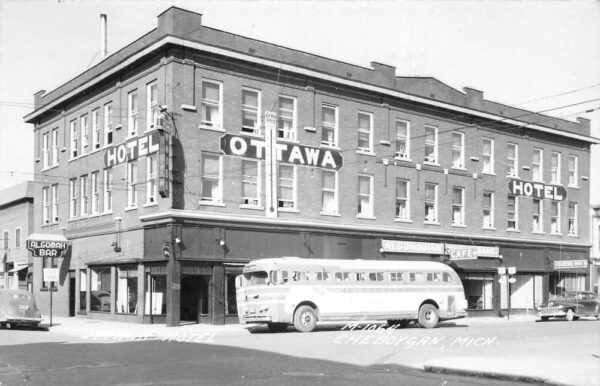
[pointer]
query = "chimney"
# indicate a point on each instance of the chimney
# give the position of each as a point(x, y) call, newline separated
point(103, 38)
point(474, 97)
point(387, 72)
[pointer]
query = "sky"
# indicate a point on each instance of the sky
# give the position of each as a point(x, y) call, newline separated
point(535, 55)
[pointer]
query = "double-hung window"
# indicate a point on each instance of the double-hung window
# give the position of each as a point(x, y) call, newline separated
point(365, 132)
point(74, 138)
point(151, 178)
point(211, 105)
point(46, 150)
point(402, 199)
point(555, 168)
point(54, 209)
point(286, 118)
point(538, 216)
point(488, 156)
point(251, 111)
point(512, 213)
point(131, 179)
point(431, 145)
point(212, 186)
point(431, 203)
point(96, 133)
point(512, 160)
point(555, 217)
point(46, 205)
point(365, 195)
point(573, 219)
point(108, 124)
point(573, 166)
point(329, 195)
point(108, 187)
point(151, 106)
point(85, 135)
point(537, 165)
point(55, 147)
point(84, 195)
point(329, 125)
point(402, 141)
point(95, 188)
point(17, 237)
point(251, 183)
point(5, 242)
point(458, 206)
point(488, 210)
point(73, 198)
point(132, 114)
point(458, 150)
point(286, 187)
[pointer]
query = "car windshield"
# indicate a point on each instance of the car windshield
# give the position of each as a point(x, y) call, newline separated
point(256, 278)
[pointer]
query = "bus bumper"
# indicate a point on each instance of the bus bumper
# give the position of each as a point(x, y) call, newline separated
point(267, 313)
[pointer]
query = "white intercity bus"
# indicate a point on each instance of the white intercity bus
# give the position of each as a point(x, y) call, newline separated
point(302, 292)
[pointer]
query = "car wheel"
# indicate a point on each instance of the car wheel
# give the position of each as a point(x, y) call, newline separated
point(277, 327)
point(428, 316)
point(545, 318)
point(570, 315)
point(305, 319)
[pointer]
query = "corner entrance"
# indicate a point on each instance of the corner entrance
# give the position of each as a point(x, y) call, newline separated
point(195, 298)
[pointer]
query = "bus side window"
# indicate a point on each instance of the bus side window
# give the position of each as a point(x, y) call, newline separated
point(393, 276)
point(319, 276)
point(447, 277)
point(328, 276)
point(284, 277)
point(346, 276)
point(413, 276)
point(437, 277)
point(295, 276)
point(338, 276)
point(379, 276)
point(360, 276)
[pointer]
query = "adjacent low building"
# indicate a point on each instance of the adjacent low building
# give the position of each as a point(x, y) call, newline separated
point(192, 151)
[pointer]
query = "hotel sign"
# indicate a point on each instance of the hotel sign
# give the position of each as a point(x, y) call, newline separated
point(558, 264)
point(285, 152)
point(412, 247)
point(132, 149)
point(471, 252)
point(536, 190)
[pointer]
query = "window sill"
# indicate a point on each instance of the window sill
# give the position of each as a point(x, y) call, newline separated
point(251, 134)
point(130, 208)
point(458, 225)
point(210, 203)
point(538, 232)
point(489, 228)
point(211, 128)
point(516, 177)
point(555, 183)
point(332, 147)
point(489, 173)
point(403, 220)
point(189, 107)
point(288, 140)
point(288, 210)
point(431, 163)
point(251, 207)
point(330, 214)
point(458, 168)
point(366, 152)
point(573, 186)
point(149, 204)
point(94, 215)
point(432, 223)
point(365, 217)
point(513, 230)
point(574, 235)
point(556, 234)
point(403, 159)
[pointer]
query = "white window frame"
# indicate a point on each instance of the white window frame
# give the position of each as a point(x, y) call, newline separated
point(46, 150)
point(460, 206)
point(512, 161)
point(74, 146)
point(490, 208)
point(555, 177)
point(85, 135)
point(249, 109)
point(108, 124)
point(405, 200)
point(573, 173)
point(368, 131)
point(327, 127)
point(95, 192)
point(73, 198)
point(555, 220)
point(107, 190)
point(326, 190)
point(151, 179)
point(539, 166)
point(247, 179)
point(18, 237)
point(573, 229)
point(489, 157)
point(96, 133)
point(539, 215)
point(84, 195)
point(458, 149)
point(45, 205)
point(5, 239)
point(204, 123)
point(432, 160)
point(294, 186)
point(403, 138)
point(54, 208)
point(361, 211)
point(435, 219)
point(131, 178)
point(217, 198)
point(132, 113)
point(290, 134)
point(516, 214)
point(151, 105)
point(55, 147)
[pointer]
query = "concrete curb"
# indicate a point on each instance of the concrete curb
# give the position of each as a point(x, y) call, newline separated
point(491, 375)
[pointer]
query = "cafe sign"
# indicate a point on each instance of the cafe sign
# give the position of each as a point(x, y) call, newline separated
point(285, 152)
point(471, 252)
point(536, 190)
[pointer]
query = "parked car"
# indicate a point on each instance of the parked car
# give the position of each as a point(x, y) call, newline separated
point(571, 305)
point(17, 307)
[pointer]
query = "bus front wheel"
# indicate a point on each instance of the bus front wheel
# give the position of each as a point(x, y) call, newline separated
point(305, 319)
point(428, 316)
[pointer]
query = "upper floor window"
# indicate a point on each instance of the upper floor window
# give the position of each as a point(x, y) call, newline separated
point(402, 139)
point(555, 217)
point(108, 187)
point(46, 150)
point(211, 107)
point(96, 133)
point(55, 147)
point(251, 183)
point(74, 138)
point(151, 178)
point(84, 195)
point(211, 179)
point(73, 198)
point(555, 168)
point(488, 156)
point(17, 237)
point(131, 178)
point(512, 213)
point(537, 166)
point(132, 114)
point(573, 166)
point(365, 195)
point(573, 219)
point(85, 134)
point(286, 118)
point(402, 199)
point(458, 150)
point(365, 132)
point(46, 205)
point(431, 144)
point(538, 216)
point(251, 111)
point(431, 203)
point(512, 160)
point(458, 206)
point(329, 192)
point(108, 124)
point(488, 209)
point(286, 187)
point(5, 243)
point(54, 208)
point(152, 111)
point(329, 125)
point(95, 189)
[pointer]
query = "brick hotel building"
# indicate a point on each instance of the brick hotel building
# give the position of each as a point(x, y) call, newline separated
point(192, 151)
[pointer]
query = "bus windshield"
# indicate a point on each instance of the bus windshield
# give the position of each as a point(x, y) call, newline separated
point(256, 278)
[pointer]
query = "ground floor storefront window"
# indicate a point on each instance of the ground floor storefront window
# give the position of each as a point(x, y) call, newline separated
point(127, 286)
point(478, 290)
point(155, 299)
point(100, 299)
point(82, 289)
point(561, 282)
point(525, 292)
point(230, 298)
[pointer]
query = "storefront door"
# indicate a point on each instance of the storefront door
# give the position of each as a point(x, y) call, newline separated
point(195, 304)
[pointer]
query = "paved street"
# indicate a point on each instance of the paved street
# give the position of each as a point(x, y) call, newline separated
point(77, 351)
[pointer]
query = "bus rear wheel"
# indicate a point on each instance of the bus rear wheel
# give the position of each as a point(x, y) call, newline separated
point(305, 319)
point(428, 316)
